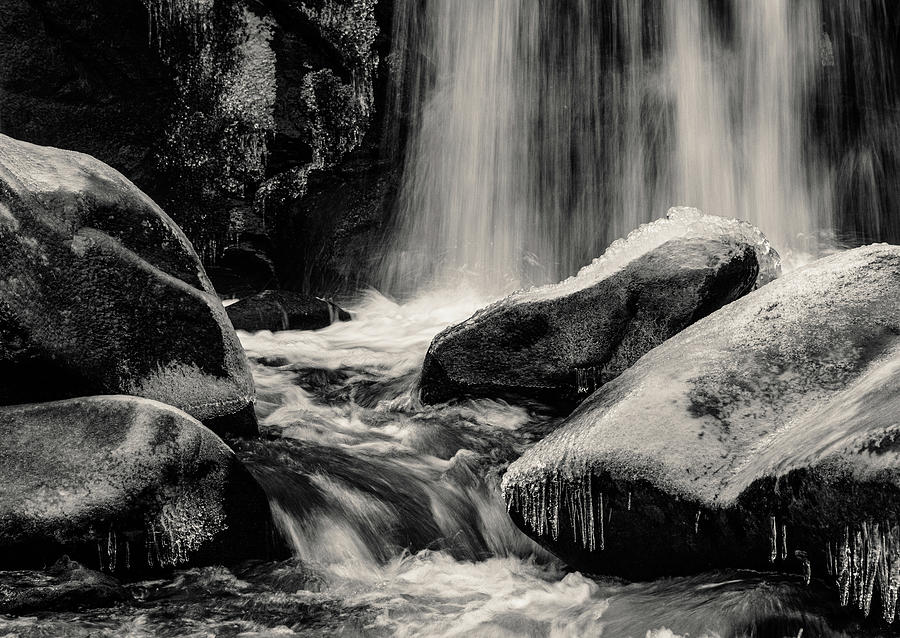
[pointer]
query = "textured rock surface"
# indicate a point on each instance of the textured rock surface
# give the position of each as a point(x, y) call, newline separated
point(283, 310)
point(220, 111)
point(245, 269)
point(122, 483)
point(82, 74)
point(333, 237)
point(766, 431)
point(66, 586)
point(562, 341)
point(101, 293)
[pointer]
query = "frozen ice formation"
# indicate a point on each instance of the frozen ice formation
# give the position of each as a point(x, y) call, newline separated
point(560, 342)
point(681, 222)
point(778, 410)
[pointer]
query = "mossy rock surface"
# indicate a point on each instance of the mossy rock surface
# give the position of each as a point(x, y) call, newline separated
point(123, 484)
point(101, 293)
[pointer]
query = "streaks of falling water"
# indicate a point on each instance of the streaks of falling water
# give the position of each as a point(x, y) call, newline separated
point(540, 131)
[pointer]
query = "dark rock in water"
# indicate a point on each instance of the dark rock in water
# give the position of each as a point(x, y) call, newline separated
point(766, 432)
point(245, 269)
point(122, 483)
point(66, 586)
point(284, 310)
point(561, 342)
point(101, 293)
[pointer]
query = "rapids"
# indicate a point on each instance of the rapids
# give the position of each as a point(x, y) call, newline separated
point(397, 526)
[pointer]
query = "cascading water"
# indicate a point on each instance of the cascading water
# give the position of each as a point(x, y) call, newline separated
point(397, 526)
point(539, 132)
point(536, 133)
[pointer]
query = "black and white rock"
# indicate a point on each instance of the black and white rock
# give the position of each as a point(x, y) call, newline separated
point(562, 341)
point(66, 586)
point(767, 431)
point(284, 310)
point(119, 483)
point(101, 293)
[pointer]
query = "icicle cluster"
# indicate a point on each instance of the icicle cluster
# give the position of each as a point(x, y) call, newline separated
point(865, 556)
point(167, 15)
point(587, 379)
point(541, 503)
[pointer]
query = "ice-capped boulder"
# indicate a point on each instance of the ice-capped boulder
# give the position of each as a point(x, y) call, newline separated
point(562, 341)
point(101, 293)
point(766, 432)
point(284, 310)
point(122, 483)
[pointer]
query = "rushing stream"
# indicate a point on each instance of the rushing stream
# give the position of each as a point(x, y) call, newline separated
point(396, 523)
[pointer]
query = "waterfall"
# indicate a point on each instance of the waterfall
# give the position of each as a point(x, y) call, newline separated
point(537, 132)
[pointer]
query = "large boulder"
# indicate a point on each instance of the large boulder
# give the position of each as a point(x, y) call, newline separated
point(284, 310)
point(560, 342)
point(122, 483)
point(101, 293)
point(766, 432)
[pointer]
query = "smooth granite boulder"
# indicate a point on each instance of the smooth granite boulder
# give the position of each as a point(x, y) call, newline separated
point(560, 342)
point(122, 483)
point(101, 293)
point(765, 433)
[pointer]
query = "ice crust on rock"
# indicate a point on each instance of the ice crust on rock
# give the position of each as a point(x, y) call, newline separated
point(801, 378)
point(680, 222)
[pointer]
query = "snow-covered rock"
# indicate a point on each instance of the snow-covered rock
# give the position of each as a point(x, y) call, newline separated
point(560, 342)
point(767, 431)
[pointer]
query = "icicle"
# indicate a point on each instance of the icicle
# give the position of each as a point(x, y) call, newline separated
point(602, 536)
point(784, 550)
point(807, 567)
point(890, 576)
point(586, 380)
point(856, 569)
point(100, 556)
point(845, 564)
point(872, 560)
point(697, 523)
point(591, 525)
point(111, 550)
point(127, 554)
point(629, 501)
point(773, 539)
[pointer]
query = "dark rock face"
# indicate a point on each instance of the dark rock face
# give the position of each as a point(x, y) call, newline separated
point(82, 74)
point(66, 586)
point(283, 310)
point(559, 342)
point(221, 111)
point(332, 237)
point(245, 269)
point(764, 433)
point(122, 483)
point(101, 293)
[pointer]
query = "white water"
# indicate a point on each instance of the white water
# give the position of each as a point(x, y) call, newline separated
point(379, 463)
point(541, 131)
point(394, 515)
